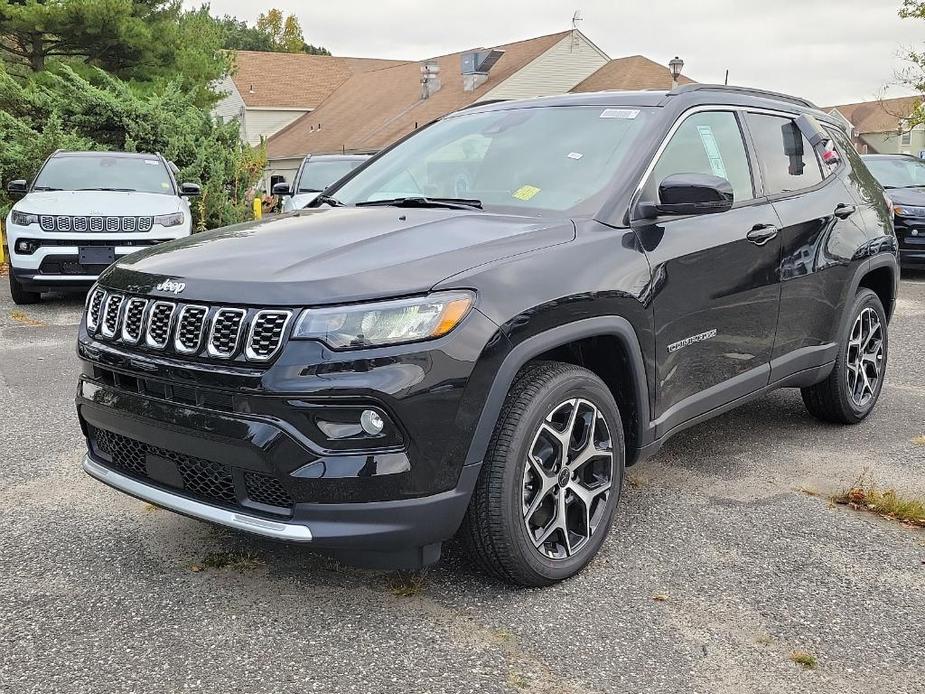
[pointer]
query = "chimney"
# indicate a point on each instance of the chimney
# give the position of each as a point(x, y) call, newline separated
point(475, 66)
point(430, 80)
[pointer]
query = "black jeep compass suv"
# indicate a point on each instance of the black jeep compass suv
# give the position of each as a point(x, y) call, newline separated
point(479, 329)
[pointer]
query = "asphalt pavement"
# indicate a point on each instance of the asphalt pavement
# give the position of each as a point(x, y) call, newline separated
point(724, 559)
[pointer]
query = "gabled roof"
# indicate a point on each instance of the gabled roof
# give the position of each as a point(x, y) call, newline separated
point(374, 108)
point(295, 80)
point(878, 116)
point(630, 73)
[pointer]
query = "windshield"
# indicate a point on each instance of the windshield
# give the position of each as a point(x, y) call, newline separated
point(105, 172)
point(529, 159)
point(901, 172)
point(319, 174)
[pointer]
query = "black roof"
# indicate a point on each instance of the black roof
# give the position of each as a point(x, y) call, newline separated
point(128, 155)
point(688, 94)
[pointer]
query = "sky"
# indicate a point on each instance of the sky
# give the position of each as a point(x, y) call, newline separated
point(829, 51)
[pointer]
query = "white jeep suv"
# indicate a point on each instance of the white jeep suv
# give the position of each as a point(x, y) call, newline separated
point(84, 211)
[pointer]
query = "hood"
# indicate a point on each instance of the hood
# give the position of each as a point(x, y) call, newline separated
point(333, 255)
point(98, 202)
point(907, 196)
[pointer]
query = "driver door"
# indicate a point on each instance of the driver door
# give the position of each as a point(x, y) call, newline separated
point(716, 304)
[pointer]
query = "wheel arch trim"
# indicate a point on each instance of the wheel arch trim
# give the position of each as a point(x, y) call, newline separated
point(532, 347)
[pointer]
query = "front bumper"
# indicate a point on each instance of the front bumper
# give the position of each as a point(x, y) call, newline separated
point(910, 232)
point(55, 264)
point(210, 440)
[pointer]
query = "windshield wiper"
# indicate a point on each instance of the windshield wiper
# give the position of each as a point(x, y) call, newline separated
point(309, 190)
point(113, 190)
point(451, 203)
point(322, 199)
point(44, 188)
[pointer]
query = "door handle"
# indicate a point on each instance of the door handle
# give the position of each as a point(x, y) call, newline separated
point(844, 210)
point(761, 234)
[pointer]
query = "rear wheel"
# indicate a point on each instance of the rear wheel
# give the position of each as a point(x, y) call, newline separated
point(850, 392)
point(19, 294)
point(551, 478)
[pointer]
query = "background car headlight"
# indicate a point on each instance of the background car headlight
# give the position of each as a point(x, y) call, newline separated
point(909, 211)
point(169, 220)
point(382, 323)
point(23, 219)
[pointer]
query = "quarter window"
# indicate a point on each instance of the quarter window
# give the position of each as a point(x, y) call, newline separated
point(788, 162)
point(708, 142)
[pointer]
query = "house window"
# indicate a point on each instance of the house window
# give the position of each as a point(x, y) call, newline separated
point(906, 138)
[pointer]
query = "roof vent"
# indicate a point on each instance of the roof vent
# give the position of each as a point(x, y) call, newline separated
point(475, 65)
point(480, 62)
point(430, 79)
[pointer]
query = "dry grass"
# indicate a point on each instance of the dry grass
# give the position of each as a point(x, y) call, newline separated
point(4, 269)
point(864, 495)
point(407, 584)
point(21, 316)
point(804, 659)
point(236, 561)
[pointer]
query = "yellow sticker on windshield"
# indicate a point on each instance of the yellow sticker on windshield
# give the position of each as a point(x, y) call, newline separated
point(525, 192)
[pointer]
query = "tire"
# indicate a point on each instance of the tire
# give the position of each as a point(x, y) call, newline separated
point(20, 296)
point(516, 502)
point(844, 397)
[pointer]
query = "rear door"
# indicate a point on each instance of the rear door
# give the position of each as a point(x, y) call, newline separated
point(821, 228)
point(717, 294)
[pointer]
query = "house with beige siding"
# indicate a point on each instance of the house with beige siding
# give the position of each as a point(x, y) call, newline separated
point(373, 108)
point(884, 126)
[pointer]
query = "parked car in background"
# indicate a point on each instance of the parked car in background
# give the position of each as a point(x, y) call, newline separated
point(480, 329)
point(903, 177)
point(317, 172)
point(83, 211)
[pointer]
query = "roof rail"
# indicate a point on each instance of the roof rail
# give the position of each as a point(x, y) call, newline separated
point(799, 101)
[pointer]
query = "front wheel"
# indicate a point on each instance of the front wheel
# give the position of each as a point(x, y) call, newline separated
point(850, 392)
point(551, 478)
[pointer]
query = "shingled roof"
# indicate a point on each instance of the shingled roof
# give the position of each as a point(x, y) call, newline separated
point(878, 116)
point(373, 108)
point(295, 80)
point(631, 73)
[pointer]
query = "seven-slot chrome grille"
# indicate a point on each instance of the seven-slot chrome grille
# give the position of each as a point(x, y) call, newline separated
point(218, 332)
point(50, 222)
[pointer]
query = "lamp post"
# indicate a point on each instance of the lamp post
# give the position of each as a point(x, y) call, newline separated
point(675, 65)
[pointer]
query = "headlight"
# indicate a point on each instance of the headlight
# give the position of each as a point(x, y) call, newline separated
point(385, 322)
point(909, 211)
point(169, 220)
point(23, 219)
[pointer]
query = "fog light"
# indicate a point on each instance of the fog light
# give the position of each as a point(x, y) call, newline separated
point(371, 422)
point(26, 246)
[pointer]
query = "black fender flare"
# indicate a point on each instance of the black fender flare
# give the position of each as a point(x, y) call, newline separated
point(876, 262)
point(533, 346)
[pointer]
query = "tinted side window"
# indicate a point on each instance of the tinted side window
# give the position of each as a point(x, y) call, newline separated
point(710, 143)
point(787, 161)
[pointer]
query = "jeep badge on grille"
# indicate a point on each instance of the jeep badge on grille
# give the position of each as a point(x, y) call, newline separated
point(171, 286)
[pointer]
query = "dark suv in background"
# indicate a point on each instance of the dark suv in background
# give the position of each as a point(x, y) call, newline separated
point(903, 177)
point(477, 331)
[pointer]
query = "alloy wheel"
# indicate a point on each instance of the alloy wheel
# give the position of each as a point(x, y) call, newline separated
point(864, 357)
point(568, 478)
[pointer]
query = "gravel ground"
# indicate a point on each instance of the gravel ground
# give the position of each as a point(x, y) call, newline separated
point(719, 566)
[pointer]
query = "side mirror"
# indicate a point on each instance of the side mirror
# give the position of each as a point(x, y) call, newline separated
point(17, 188)
point(281, 188)
point(190, 189)
point(690, 194)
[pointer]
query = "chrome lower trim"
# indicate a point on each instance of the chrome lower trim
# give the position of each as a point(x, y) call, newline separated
point(260, 526)
point(67, 278)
